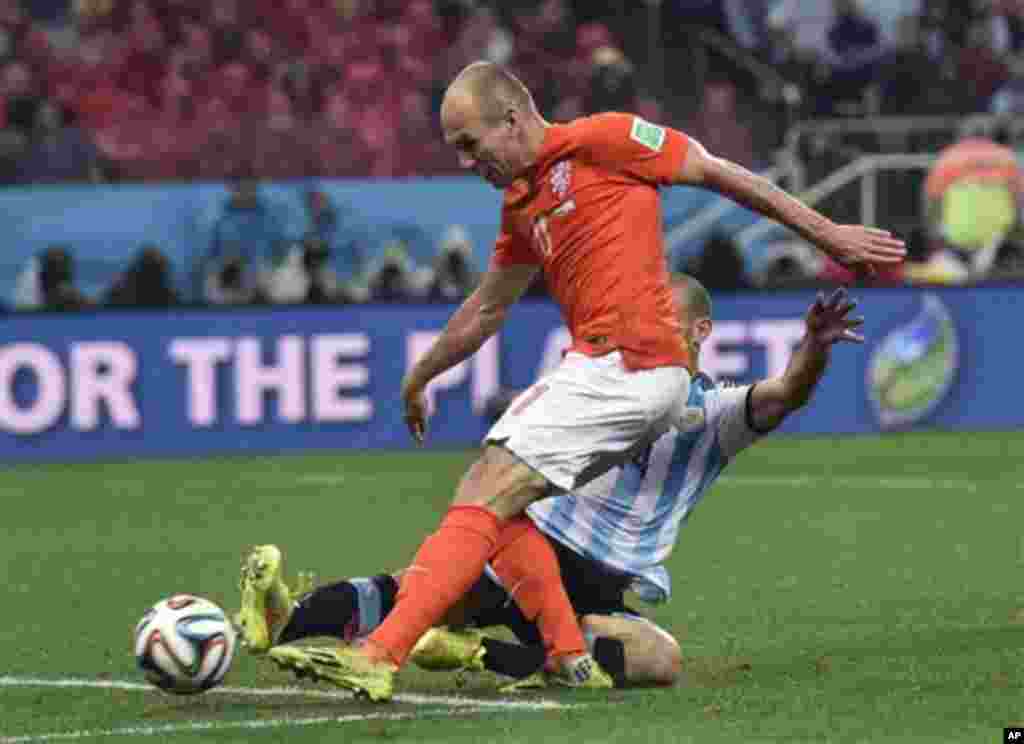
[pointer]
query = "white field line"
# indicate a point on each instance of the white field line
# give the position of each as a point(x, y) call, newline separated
point(897, 482)
point(444, 705)
point(410, 698)
point(197, 726)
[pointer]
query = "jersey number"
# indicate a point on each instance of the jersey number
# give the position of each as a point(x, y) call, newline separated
point(542, 236)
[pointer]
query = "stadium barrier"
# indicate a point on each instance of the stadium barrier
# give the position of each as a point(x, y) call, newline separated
point(124, 385)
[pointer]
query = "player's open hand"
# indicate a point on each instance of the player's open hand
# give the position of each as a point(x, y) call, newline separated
point(828, 320)
point(415, 404)
point(861, 248)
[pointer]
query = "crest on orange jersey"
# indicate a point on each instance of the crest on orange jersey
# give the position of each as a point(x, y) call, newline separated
point(561, 178)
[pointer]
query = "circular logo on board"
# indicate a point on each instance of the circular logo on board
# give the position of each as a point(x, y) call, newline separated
point(913, 368)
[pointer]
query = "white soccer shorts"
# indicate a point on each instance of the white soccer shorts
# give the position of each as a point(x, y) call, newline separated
point(587, 416)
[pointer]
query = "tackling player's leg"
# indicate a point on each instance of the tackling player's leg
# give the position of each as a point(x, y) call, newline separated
point(635, 651)
point(651, 656)
point(267, 601)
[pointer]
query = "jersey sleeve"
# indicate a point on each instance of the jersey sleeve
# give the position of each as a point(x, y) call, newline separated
point(633, 146)
point(728, 411)
point(511, 247)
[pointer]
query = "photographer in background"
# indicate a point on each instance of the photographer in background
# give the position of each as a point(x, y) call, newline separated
point(227, 283)
point(454, 276)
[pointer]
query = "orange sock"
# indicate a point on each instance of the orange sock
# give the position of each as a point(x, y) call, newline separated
point(446, 566)
point(528, 567)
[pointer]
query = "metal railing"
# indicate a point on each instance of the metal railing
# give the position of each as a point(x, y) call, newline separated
point(865, 168)
point(958, 126)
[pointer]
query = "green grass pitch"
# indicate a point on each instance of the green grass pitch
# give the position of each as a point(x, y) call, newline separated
point(846, 590)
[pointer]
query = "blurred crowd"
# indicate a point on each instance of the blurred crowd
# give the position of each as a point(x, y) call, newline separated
point(136, 90)
point(195, 89)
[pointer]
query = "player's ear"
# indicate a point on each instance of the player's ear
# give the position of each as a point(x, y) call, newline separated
point(511, 118)
point(703, 328)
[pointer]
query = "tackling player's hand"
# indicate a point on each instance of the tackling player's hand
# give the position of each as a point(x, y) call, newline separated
point(861, 248)
point(415, 404)
point(828, 320)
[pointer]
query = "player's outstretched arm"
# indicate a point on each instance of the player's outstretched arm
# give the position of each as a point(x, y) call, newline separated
point(476, 320)
point(828, 322)
point(852, 245)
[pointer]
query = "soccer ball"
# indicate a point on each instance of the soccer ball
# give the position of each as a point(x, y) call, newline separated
point(184, 644)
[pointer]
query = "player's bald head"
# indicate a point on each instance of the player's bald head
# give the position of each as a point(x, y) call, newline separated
point(693, 299)
point(489, 90)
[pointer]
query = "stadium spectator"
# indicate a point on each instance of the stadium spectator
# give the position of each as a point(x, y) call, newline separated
point(1009, 98)
point(480, 36)
point(741, 20)
point(55, 283)
point(972, 196)
point(145, 62)
point(302, 275)
point(720, 266)
point(613, 86)
point(855, 53)
point(912, 80)
point(19, 96)
point(248, 222)
point(342, 238)
point(56, 152)
point(229, 281)
point(285, 281)
point(719, 125)
point(394, 277)
point(337, 147)
point(145, 283)
point(419, 148)
point(787, 263)
point(454, 277)
point(979, 68)
point(324, 286)
point(799, 64)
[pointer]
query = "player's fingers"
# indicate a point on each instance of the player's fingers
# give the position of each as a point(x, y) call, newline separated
point(888, 245)
point(414, 422)
point(853, 337)
point(416, 426)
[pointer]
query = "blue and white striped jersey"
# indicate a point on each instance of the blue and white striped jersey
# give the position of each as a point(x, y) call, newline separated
point(629, 518)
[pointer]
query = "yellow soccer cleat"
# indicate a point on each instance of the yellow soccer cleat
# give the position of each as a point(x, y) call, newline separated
point(443, 650)
point(582, 672)
point(343, 666)
point(267, 602)
point(536, 681)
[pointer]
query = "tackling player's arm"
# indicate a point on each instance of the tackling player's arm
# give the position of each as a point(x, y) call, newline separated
point(476, 320)
point(828, 322)
point(848, 244)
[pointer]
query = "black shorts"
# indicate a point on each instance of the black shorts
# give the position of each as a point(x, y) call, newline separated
point(591, 587)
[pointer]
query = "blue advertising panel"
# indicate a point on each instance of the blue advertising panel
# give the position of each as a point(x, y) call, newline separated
point(116, 385)
point(104, 226)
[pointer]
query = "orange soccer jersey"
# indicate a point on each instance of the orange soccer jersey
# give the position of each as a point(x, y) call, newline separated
point(589, 214)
